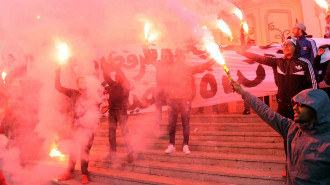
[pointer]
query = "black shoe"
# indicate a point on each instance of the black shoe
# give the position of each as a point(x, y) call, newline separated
point(246, 112)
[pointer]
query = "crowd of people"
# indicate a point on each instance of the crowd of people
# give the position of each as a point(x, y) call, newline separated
point(302, 116)
point(298, 70)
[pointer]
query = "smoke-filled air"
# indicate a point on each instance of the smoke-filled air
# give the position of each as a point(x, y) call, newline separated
point(58, 57)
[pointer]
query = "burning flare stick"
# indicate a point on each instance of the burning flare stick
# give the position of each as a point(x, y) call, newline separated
point(56, 153)
point(323, 4)
point(4, 74)
point(238, 13)
point(244, 25)
point(215, 53)
point(223, 26)
point(63, 52)
point(147, 35)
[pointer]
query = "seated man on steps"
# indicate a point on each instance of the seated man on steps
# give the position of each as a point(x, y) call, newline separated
point(307, 135)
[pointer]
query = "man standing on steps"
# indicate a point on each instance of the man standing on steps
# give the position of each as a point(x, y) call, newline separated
point(118, 91)
point(307, 135)
point(79, 100)
point(180, 95)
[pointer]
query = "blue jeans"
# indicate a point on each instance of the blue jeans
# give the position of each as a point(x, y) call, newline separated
point(177, 106)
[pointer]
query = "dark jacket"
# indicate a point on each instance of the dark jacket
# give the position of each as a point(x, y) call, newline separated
point(308, 48)
point(78, 105)
point(308, 158)
point(291, 75)
point(324, 67)
point(118, 91)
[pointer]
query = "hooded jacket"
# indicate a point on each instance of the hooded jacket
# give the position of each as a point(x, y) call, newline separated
point(308, 157)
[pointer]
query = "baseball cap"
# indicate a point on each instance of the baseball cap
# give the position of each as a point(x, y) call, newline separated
point(302, 27)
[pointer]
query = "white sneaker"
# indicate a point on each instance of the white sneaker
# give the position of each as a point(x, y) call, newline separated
point(186, 149)
point(170, 149)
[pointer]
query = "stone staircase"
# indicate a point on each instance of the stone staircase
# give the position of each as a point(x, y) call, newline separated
point(226, 149)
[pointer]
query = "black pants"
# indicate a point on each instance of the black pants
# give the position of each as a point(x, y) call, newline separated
point(160, 101)
point(115, 116)
point(286, 110)
point(177, 106)
point(85, 147)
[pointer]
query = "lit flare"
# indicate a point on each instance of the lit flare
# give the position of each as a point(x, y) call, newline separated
point(246, 27)
point(238, 13)
point(3, 75)
point(146, 31)
point(223, 26)
point(55, 153)
point(148, 36)
point(63, 52)
point(214, 50)
point(323, 4)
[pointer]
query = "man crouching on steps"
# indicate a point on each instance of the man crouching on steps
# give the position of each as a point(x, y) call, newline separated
point(308, 135)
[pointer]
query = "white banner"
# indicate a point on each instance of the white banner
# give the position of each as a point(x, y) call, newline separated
point(212, 87)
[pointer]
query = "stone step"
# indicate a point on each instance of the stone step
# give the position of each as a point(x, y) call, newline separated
point(204, 118)
point(99, 176)
point(73, 182)
point(255, 137)
point(211, 146)
point(234, 127)
point(244, 161)
point(207, 173)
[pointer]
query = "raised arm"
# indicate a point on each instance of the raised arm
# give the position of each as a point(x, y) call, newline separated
point(106, 74)
point(203, 67)
point(317, 61)
point(260, 59)
point(59, 87)
point(125, 82)
point(279, 123)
